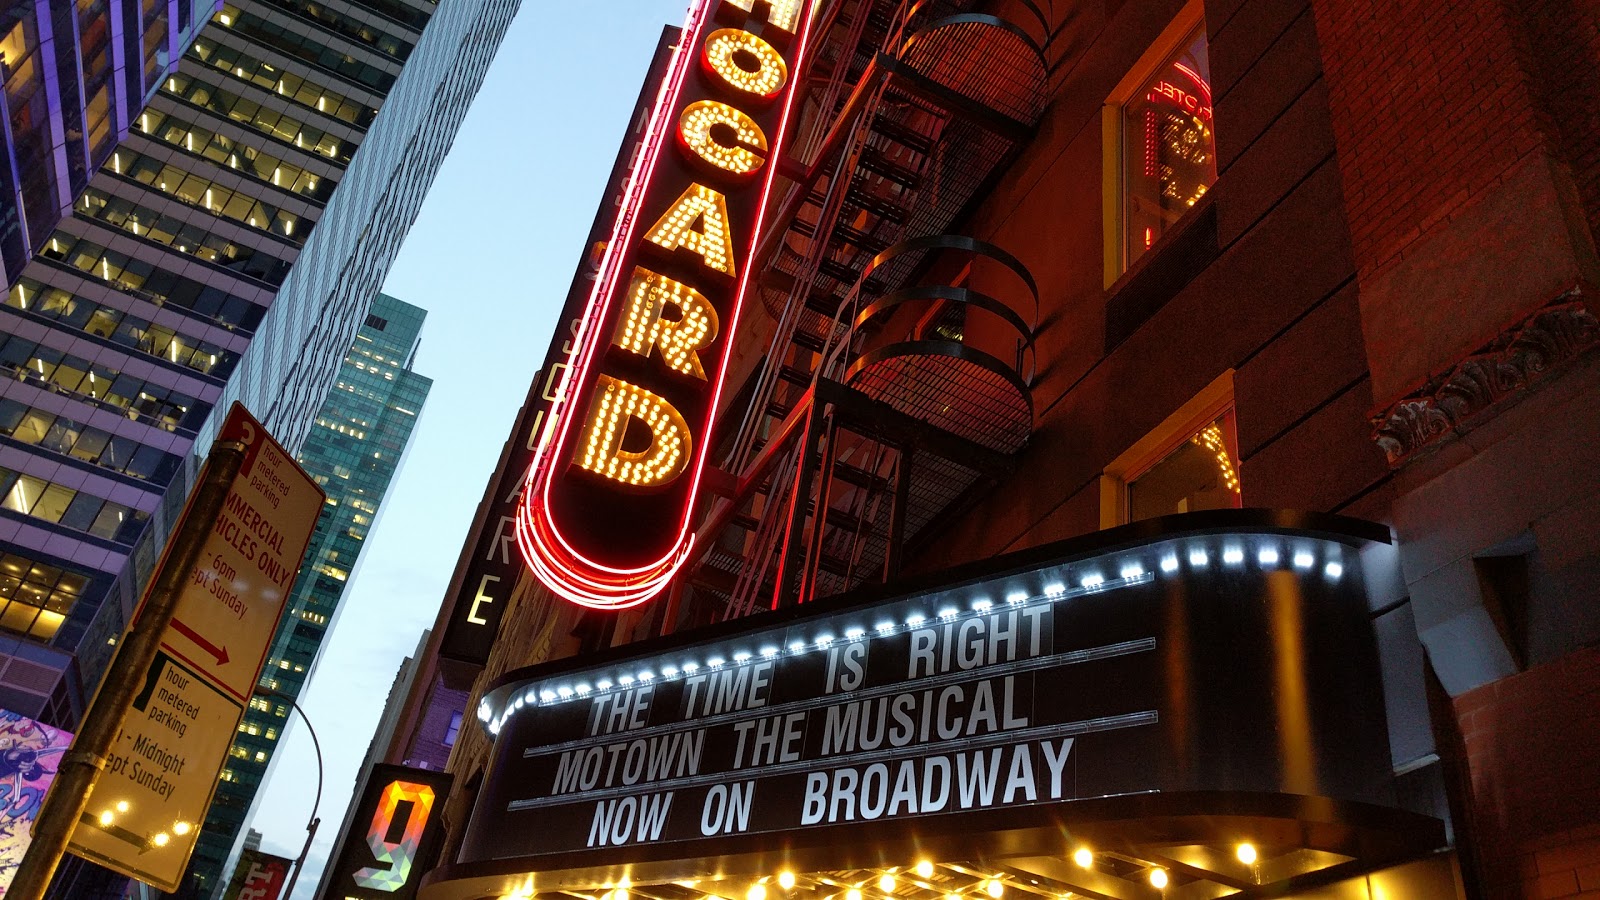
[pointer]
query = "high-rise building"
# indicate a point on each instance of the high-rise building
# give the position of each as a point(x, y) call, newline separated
point(75, 76)
point(122, 333)
point(354, 450)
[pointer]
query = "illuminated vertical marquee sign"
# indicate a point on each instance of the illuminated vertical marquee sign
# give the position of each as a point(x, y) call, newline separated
point(605, 521)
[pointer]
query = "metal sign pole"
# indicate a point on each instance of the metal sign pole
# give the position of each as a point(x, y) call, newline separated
point(81, 766)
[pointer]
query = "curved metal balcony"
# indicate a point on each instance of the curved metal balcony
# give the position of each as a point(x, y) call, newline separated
point(984, 58)
point(946, 98)
point(956, 356)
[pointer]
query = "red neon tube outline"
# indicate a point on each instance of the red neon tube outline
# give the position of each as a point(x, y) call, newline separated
point(554, 561)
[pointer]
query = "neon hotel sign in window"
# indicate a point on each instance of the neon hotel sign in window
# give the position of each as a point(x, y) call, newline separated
point(605, 515)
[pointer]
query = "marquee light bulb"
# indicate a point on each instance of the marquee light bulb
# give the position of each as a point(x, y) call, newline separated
point(756, 892)
point(181, 828)
point(600, 446)
point(853, 894)
point(1246, 853)
point(924, 869)
point(723, 50)
point(786, 880)
point(994, 888)
point(712, 241)
point(782, 14)
point(886, 883)
point(106, 818)
point(161, 839)
point(1158, 879)
point(746, 155)
point(122, 806)
point(644, 325)
point(1084, 857)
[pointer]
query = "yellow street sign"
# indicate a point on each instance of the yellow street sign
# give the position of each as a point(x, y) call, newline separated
point(145, 812)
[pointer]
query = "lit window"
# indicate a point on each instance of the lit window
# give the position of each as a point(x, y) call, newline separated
point(1165, 156)
point(1200, 473)
point(1189, 462)
point(454, 730)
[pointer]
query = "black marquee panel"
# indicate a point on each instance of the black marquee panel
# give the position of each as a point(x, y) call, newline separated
point(1210, 652)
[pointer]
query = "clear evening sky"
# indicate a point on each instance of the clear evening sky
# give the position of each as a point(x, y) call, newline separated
point(490, 258)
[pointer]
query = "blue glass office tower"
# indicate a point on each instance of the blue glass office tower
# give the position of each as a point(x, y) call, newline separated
point(75, 76)
point(255, 204)
point(356, 446)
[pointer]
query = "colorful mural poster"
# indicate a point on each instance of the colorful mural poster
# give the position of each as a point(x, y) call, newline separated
point(28, 759)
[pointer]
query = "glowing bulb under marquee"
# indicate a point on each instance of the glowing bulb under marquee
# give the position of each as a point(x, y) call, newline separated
point(605, 515)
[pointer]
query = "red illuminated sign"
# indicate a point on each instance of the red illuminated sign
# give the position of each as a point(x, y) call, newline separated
point(605, 518)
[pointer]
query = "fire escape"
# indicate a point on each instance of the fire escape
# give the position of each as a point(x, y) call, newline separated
point(897, 384)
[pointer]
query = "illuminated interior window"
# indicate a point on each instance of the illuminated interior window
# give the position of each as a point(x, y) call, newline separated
point(633, 436)
point(746, 62)
point(669, 315)
point(35, 598)
point(1169, 157)
point(698, 222)
point(1202, 472)
point(698, 126)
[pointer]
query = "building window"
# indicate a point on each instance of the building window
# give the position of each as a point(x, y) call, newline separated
point(1161, 147)
point(454, 729)
point(1200, 473)
point(35, 598)
point(1188, 463)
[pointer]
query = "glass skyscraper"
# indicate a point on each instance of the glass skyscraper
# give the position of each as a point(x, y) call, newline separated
point(256, 202)
point(356, 445)
point(75, 76)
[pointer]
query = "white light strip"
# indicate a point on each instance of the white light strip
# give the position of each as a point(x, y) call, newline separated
point(1090, 581)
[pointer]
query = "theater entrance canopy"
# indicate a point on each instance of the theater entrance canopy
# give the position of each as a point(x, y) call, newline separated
point(1183, 707)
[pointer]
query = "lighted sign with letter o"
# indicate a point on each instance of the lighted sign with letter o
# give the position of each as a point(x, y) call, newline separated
point(605, 514)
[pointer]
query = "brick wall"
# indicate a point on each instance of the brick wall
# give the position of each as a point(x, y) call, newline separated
point(428, 748)
point(1464, 213)
point(1533, 747)
point(1564, 51)
point(1431, 110)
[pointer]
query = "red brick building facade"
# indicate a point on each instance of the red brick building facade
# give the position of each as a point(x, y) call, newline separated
point(1370, 294)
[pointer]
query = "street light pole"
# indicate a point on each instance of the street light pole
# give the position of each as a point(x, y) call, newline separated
point(311, 827)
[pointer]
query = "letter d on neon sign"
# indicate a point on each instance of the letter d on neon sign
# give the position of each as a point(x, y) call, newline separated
point(605, 516)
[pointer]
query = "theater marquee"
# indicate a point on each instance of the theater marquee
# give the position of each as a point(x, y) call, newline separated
point(605, 521)
point(1210, 652)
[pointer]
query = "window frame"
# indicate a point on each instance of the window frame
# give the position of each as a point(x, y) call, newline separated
point(1205, 407)
point(1113, 143)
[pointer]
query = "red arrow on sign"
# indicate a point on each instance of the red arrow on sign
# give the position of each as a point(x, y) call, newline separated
point(221, 653)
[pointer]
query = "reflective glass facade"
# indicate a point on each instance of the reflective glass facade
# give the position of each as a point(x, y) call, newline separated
point(75, 75)
point(213, 224)
point(135, 308)
point(354, 450)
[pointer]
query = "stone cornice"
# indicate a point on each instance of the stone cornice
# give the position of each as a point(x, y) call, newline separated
point(1460, 398)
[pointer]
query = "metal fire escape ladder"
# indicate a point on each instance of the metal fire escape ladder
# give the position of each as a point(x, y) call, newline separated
point(848, 446)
